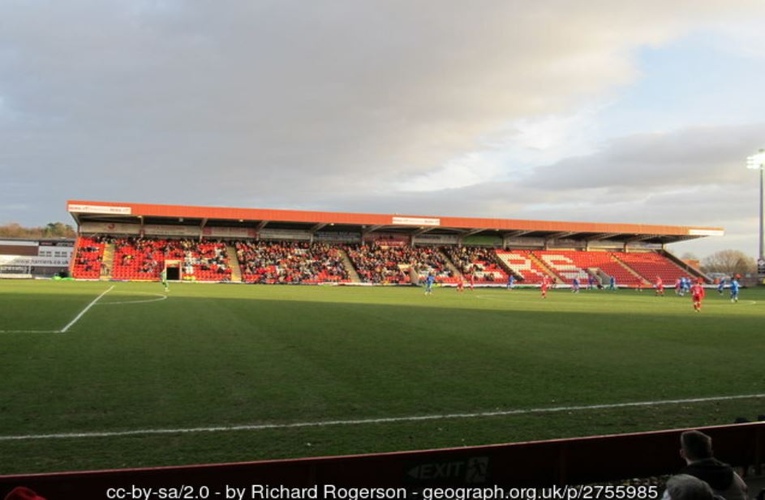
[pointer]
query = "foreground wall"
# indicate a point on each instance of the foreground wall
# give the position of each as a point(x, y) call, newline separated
point(563, 462)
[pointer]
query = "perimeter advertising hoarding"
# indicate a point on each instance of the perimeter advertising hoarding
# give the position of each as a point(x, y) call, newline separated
point(167, 230)
point(284, 234)
point(25, 261)
point(435, 239)
point(387, 239)
point(522, 241)
point(229, 232)
point(110, 228)
point(338, 237)
point(483, 241)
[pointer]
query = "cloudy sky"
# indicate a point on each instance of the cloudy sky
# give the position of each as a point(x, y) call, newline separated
point(591, 110)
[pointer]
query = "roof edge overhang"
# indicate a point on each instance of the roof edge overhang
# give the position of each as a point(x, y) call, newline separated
point(95, 209)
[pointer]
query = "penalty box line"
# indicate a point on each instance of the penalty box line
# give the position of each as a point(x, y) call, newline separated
point(330, 423)
point(71, 323)
point(87, 308)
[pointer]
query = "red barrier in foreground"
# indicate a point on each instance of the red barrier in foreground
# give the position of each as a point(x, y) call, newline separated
point(588, 460)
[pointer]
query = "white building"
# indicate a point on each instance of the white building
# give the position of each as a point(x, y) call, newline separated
point(27, 258)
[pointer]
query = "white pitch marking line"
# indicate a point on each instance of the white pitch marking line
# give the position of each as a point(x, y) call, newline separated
point(30, 331)
point(87, 308)
point(144, 301)
point(327, 423)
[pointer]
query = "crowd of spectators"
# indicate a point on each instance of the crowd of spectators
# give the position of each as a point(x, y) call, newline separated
point(393, 264)
point(378, 264)
point(290, 262)
point(142, 257)
point(475, 261)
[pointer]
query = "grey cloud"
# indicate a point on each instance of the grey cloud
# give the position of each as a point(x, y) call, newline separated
point(662, 160)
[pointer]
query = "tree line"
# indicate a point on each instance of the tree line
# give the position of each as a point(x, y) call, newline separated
point(729, 262)
point(50, 230)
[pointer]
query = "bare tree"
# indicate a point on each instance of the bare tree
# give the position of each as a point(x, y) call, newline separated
point(689, 256)
point(729, 262)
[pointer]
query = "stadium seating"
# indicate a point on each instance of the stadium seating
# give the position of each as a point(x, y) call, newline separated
point(481, 262)
point(566, 264)
point(144, 259)
point(651, 265)
point(375, 264)
point(88, 257)
point(521, 263)
point(302, 262)
point(578, 263)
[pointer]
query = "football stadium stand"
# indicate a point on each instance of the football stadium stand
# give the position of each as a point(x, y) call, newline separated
point(129, 241)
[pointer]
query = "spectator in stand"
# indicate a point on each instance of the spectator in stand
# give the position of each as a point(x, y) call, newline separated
point(23, 493)
point(687, 487)
point(696, 450)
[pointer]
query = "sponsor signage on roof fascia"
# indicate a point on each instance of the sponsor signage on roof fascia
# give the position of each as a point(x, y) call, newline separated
point(416, 221)
point(706, 232)
point(99, 209)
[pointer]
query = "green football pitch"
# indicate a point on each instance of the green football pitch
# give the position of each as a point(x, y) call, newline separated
point(97, 375)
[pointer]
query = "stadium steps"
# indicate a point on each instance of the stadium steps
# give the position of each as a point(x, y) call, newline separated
point(449, 264)
point(547, 269)
point(107, 262)
point(600, 275)
point(686, 267)
point(502, 263)
point(349, 266)
point(233, 262)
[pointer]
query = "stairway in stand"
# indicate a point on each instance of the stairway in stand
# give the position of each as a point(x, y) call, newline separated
point(107, 262)
point(352, 274)
point(450, 265)
point(233, 262)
